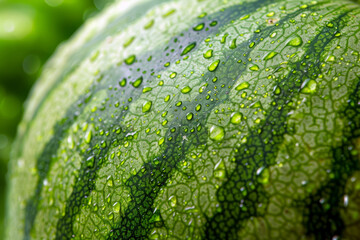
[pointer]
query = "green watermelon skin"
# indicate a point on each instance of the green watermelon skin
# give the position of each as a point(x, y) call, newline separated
point(207, 119)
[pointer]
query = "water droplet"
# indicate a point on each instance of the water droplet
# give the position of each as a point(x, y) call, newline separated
point(188, 48)
point(233, 44)
point(214, 66)
point(161, 140)
point(130, 60)
point(308, 86)
point(208, 54)
point(173, 75)
point(88, 136)
point(223, 40)
point(122, 83)
point(277, 90)
point(270, 14)
point(219, 169)
point(110, 182)
point(198, 107)
point(331, 58)
point(172, 201)
point(149, 24)
point(137, 82)
point(263, 175)
point(146, 106)
point(128, 42)
point(213, 23)
point(270, 55)
point(295, 42)
point(254, 68)
point(116, 207)
point(216, 133)
point(199, 27)
point(94, 56)
point(245, 17)
point(243, 85)
point(90, 161)
point(236, 118)
point(186, 89)
point(202, 15)
point(189, 116)
point(147, 89)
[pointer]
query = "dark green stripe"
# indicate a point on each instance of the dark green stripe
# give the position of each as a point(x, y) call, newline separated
point(255, 154)
point(87, 177)
point(73, 61)
point(144, 187)
point(321, 210)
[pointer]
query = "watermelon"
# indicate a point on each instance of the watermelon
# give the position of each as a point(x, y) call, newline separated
point(207, 119)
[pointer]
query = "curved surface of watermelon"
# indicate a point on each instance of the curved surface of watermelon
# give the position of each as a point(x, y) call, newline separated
point(183, 119)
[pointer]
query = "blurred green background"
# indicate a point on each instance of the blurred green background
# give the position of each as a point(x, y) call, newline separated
point(30, 30)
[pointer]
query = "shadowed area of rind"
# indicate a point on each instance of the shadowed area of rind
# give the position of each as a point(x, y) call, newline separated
point(321, 210)
point(255, 154)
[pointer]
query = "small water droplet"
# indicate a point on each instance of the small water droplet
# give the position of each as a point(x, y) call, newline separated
point(130, 60)
point(208, 54)
point(137, 82)
point(186, 89)
point(199, 27)
point(214, 66)
point(189, 116)
point(198, 107)
point(129, 41)
point(173, 75)
point(88, 136)
point(149, 24)
point(122, 83)
point(90, 161)
point(161, 140)
point(245, 17)
point(277, 90)
point(188, 48)
point(146, 106)
point(233, 44)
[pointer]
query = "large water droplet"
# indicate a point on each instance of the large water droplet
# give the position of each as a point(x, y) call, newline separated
point(243, 85)
point(308, 86)
point(295, 42)
point(216, 133)
point(236, 118)
point(270, 55)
